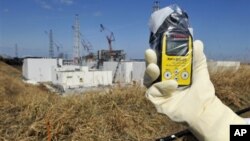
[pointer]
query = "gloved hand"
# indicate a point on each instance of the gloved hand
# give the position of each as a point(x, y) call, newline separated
point(207, 117)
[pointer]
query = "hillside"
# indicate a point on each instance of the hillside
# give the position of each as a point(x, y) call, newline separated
point(33, 113)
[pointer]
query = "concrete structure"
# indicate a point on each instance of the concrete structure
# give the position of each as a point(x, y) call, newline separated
point(70, 77)
point(39, 69)
point(138, 71)
point(126, 72)
point(64, 76)
point(218, 66)
point(109, 55)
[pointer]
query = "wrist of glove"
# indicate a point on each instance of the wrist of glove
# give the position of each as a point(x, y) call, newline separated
point(207, 117)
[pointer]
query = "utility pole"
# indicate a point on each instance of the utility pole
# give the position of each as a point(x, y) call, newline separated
point(76, 48)
point(51, 44)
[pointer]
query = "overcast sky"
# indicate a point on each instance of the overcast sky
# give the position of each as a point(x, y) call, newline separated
point(223, 25)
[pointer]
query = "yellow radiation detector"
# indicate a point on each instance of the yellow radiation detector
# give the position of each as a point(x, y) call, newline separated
point(176, 57)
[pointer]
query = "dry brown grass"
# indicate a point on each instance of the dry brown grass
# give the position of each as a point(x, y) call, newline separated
point(32, 113)
point(233, 87)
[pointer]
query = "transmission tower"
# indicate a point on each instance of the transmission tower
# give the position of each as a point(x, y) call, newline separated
point(51, 44)
point(77, 41)
point(156, 5)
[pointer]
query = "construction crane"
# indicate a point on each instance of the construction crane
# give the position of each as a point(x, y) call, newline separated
point(88, 47)
point(110, 38)
point(86, 43)
point(58, 46)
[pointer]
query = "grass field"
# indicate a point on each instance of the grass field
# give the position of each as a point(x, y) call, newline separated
point(30, 112)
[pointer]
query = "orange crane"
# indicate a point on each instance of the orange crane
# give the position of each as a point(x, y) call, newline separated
point(110, 38)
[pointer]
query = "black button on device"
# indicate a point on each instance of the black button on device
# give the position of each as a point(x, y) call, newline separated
point(239, 132)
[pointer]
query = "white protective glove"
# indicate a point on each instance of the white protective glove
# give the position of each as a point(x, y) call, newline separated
point(207, 117)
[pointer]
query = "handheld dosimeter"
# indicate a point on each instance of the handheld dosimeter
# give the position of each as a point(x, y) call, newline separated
point(171, 38)
point(175, 58)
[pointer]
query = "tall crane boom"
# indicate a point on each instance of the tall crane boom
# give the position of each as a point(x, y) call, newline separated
point(109, 36)
point(86, 45)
